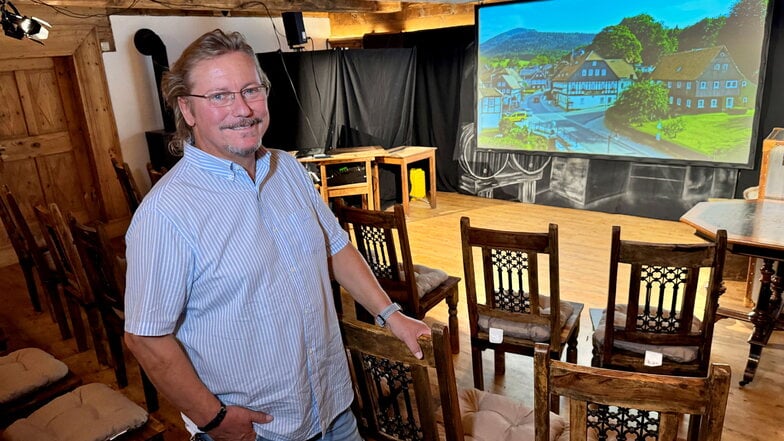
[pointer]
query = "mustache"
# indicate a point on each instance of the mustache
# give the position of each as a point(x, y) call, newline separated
point(244, 122)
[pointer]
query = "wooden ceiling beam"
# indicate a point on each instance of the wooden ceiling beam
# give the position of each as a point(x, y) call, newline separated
point(231, 6)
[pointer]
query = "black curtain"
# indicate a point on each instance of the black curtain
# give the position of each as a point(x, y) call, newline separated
point(340, 98)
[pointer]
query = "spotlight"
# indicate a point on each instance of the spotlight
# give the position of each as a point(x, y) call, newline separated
point(18, 26)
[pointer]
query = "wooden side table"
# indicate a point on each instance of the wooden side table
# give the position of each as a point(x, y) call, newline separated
point(403, 156)
point(365, 188)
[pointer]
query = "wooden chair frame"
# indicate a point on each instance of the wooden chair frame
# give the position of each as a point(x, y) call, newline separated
point(23, 254)
point(131, 191)
point(104, 274)
point(48, 276)
point(591, 390)
point(519, 251)
point(74, 286)
point(394, 393)
point(659, 266)
point(382, 238)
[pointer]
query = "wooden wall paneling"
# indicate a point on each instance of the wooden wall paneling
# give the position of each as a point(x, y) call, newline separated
point(12, 122)
point(41, 102)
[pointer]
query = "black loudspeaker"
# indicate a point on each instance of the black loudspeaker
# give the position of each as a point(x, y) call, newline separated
point(295, 28)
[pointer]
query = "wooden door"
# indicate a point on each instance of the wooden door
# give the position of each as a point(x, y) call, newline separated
point(57, 129)
point(43, 158)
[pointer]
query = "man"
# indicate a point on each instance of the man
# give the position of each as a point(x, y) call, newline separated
point(229, 306)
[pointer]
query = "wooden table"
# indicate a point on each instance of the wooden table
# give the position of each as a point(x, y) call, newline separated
point(403, 157)
point(755, 228)
point(368, 188)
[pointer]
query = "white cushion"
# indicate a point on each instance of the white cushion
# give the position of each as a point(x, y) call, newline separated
point(426, 278)
point(491, 417)
point(27, 370)
point(528, 331)
point(93, 412)
point(679, 354)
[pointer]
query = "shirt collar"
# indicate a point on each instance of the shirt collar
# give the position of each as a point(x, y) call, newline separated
point(224, 168)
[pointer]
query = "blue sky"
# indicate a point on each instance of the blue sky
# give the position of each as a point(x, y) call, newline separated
point(592, 16)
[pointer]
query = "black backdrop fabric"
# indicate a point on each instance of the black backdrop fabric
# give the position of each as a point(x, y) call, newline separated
point(345, 109)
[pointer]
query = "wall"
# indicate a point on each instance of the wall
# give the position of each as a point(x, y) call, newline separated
point(131, 79)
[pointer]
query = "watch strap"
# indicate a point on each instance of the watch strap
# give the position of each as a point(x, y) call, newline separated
point(383, 316)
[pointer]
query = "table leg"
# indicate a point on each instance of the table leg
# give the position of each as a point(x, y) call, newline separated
point(404, 185)
point(764, 317)
point(433, 185)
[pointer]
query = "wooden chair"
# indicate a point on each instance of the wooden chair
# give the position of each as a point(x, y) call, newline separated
point(23, 254)
point(49, 277)
point(512, 283)
point(155, 174)
point(658, 313)
point(104, 271)
point(398, 396)
point(610, 404)
point(73, 285)
point(131, 191)
point(382, 238)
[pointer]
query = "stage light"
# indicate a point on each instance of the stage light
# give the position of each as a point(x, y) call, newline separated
point(18, 26)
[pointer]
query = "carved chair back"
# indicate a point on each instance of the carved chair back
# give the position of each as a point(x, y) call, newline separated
point(508, 293)
point(660, 304)
point(394, 396)
point(608, 404)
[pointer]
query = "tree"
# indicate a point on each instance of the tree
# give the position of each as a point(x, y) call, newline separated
point(743, 34)
point(704, 33)
point(653, 37)
point(617, 42)
point(643, 101)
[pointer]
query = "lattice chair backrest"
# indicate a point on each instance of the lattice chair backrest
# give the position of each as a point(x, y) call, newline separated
point(382, 239)
point(663, 290)
point(512, 279)
point(394, 389)
point(607, 404)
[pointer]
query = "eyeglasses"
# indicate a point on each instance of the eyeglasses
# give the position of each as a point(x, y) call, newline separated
point(223, 99)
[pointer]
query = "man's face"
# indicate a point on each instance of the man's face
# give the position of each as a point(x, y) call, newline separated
point(233, 132)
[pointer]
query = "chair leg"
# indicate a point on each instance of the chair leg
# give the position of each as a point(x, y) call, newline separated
point(56, 303)
point(454, 332)
point(118, 357)
point(500, 361)
point(571, 348)
point(32, 287)
point(150, 393)
point(476, 365)
point(97, 333)
point(77, 323)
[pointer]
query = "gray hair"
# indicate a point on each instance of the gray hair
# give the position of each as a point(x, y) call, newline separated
point(176, 82)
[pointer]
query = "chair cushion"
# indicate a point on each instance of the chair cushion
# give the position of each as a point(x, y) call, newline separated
point(426, 278)
point(679, 354)
point(93, 412)
point(27, 370)
point(528, 331)
point(492, 417)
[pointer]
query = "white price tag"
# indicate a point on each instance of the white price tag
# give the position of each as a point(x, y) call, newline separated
point(496, 335)
point(653, 358)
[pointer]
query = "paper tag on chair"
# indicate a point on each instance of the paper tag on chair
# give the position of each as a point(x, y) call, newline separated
point(496, 335)
point(653, 358)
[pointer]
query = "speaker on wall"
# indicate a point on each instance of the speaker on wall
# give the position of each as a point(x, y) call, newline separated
point(295, 28)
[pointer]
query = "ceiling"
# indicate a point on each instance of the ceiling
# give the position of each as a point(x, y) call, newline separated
point(348, 18)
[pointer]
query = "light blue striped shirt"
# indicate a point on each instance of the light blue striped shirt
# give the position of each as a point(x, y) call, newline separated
point(238, 271)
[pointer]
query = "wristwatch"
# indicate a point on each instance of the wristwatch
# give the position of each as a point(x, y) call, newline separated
point(383, 316)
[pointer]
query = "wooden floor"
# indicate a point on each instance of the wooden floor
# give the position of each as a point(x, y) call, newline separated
point(754, 412)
